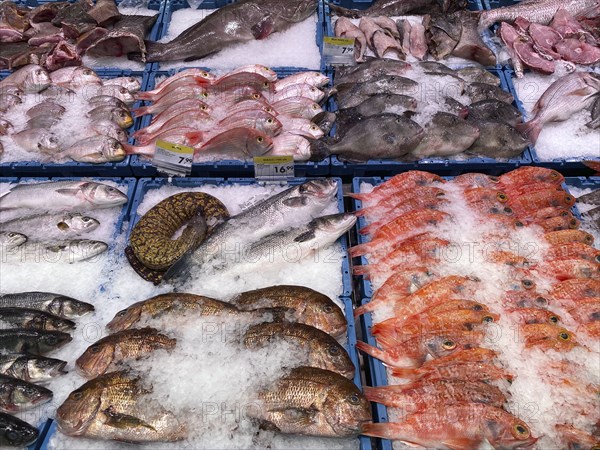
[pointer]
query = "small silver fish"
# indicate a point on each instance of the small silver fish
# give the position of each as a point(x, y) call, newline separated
point(11, 239)
point(37, 140)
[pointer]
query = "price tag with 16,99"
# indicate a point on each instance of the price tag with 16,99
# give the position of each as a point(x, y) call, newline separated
point(273, 167)
point(338, 51)
point(173, 159)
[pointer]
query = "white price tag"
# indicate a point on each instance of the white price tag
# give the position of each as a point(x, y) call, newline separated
point(273, 167)
point(338, 51)
point(173, 159)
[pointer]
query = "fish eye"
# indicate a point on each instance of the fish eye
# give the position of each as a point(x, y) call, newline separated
point(203, 108)
point(553, 319)
point(51, 340)
point(508, 211)
point(205, 74)
point(39, 145)
point(564, 213)
point(12, 436)
point(255, 96)
point(334, 350)
point(527, 284)
point(205, 94)
point(569, 199)
point(266, 84)
point(269, 121)
point(519, 224)
point(259, 139)
point(573, 223)
point(314, 128)
point(554, 174)
point(494, 179)
point(521, 431)
point(95, 348)
point(315, 107)
point(28, 390)
point(589, 239)
point(76, 395)
point(267, 109)
point(449, 344)
point(564, 336)
point(327, 308)
point(494, 211)
point(477, 307)
point(87, 72)
point(115, 145)
point(38, 72)
point(502, 197)
point(354, 399)
point(11, 235)
point(488, 319)
point(121, 313)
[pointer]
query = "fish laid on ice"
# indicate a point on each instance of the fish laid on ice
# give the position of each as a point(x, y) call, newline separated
point(95, 149)
point(15, 432)
point(30, 79)
point(75, 77)
point(70, 252)
point(34, 319)
point(59, 305)
point(10, 240)
point(37, 140)
point(32, 368)
point(38, 342)
point(19, 395)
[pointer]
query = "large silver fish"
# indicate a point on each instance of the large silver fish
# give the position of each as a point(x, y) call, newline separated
point(294, 205)
point(28, 200)
point(57, 252)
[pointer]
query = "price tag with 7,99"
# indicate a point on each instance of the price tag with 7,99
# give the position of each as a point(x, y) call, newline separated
point(273, 167)
point(338, 51)
point(173, 159)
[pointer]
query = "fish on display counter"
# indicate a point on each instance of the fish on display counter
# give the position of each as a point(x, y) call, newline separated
point(433, 313)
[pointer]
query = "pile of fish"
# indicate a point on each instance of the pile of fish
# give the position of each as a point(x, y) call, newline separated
point(479, 282)
point(314, 398)
point(449, 32)
point(233, 24)
point(68, 114)
point(565, 97)
point(391, 109)
point(286, 227)
point(57, 34)
point(52, 210)
point(540, 47)
point(32, 325)
point(244, 113)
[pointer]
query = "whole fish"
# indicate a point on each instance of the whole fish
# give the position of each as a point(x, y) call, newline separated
point(169, 304)
point(495, 110)
point(27, 200)
point(500, 428)
point(19, 395)
point(445, 135)
point(301, 127)
point(370, 70)
point(37, 140)
point(314, 402)
point(32, 368)
point(75, 77)
point(8, 101)
point(115, 406)
point(478, 75)
point(95, 149)
point(15, 432)
point(132, 84)
point(384, 8)
point(497, 140)
point(110, 129)
point(114, 114)
point(315, 79)
point(115, 349)
point(383, 136)
point(236, 143)
point(321, 350)
point(70, 252)
point(59, 305)
point(106, 100)
point(306, 306)
point(483, 91)
point(565, 97)
point(350, 95)
point(295, 204)
point(118, 92)
point(10, 240)
point(29, 79)
point(541, 11)
point(233, 24)
point(34, 319)
point(292, 144)
point(42, 121)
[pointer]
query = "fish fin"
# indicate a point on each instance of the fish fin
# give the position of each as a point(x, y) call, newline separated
point(319, 150)
point(295, 201)
point(307, 236)
point(73, 191)
point(531, 130)
point(363, 309)
point(119, 420)
point(406, 374)
point(358, 196)
point(340, 11)
point(300, 416)
point(263, 28)
point(594, 124)
point(141, 111)
point(461, 443)
point(381, 430)
point(359, 250)
point(5, 190)
point(362, 270)
point(268, 426)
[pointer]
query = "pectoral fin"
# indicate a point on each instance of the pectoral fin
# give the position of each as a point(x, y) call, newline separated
point(307, 236)
point(263, 28)
point(122, 421)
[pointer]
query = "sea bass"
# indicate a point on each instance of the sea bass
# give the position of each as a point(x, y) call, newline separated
point(56, 304)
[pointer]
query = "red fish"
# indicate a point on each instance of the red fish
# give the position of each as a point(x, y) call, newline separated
point(567, 236)
point(476, 180)
point(566, 269)
point(577, 439)
point(526, 203)
point(575, 250)
point(457, 427)
point(564, 222)
point(531, 174)
point(547, 336)
point(572, 290)
point(393, 206)
point(524, 299)
point(535, 315)
point(585, 310)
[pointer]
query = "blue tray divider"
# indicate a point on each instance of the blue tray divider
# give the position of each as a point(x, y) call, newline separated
point(142, 167)
point(441, 166)
point(569, 167)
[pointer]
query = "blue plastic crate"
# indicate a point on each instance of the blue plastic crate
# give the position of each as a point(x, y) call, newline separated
point(142, 167)
point(571, 166)
point(441, 166)
point(493, 4)
point(146, 184)
point(72, 168)
point(171, 6)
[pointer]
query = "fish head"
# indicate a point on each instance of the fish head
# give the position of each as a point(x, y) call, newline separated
point(336, 359)
point(85, 76)
point(102, 195)
point(259, 143)
point(78, 223)
point(59, 324)
point(45, 368)
point(78, 410)
point(321, 189)
point(505, 431)
point(37, 79)
point(126, 318)
point(267, 123)
point(452, 341)
point(318, 79)
point(48, 142)
point(313, 130)
point(346, 409)
point(17, 433)
point(96, 359)
point(11, 239)
point(82, 249)
point(122, 118)
point(593, 80)
point(111, 150)
point(335, 224)
point(30, 394)
point(12, 89)
point(132, 84)
point(324, 314)
point(54, 339)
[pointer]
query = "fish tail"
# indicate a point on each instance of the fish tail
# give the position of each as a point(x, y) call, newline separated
point(362, 270)
point(379, 394)
point(156, 51)
point(340, 11)
point(319, 150)
point(359, 250)
point(385, 327)
point(368, 307)
point(147, 150)
point(405, 374)
point(363, 211)
point(141, 111)
point(147, 95)
point(531, 130)
point(380, 430)
point(359, 196)
point(371, 228)
point(372, 351)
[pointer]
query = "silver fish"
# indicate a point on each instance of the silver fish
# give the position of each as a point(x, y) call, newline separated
point(32, 368)
point(8, 101)
point(65, 225)
point(95, 149)
point(302, 202)
point(31, 78)
point(75, 77)
point(37, 140)
point(132, 84)
point(293, 144)
point(10, 240)
point(28, 200)
point(56, 304)
point(64, 252)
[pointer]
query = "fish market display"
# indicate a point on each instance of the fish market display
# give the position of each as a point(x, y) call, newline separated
point(15, 432)
point(59, 34)
point(386, 31)
point(230, 25)
point(244, 113)
point(70, 114)
point(485, 300)
point(562, 113)
point(395, 110)
point(541, 45)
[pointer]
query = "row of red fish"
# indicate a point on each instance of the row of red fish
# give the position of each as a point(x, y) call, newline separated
point(244, 113)
point(435, 337)
point(539, 47)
